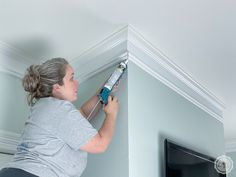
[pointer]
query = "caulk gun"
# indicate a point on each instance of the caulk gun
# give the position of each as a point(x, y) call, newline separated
point(112, 81)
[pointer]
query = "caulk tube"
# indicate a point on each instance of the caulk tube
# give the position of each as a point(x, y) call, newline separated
point(111, 82)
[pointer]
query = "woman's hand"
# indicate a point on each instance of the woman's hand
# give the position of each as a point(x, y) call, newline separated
point(112, 106)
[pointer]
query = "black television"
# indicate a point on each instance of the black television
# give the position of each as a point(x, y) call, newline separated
point(183, 162)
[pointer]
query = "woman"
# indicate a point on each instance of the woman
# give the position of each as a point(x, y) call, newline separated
point(57, 136)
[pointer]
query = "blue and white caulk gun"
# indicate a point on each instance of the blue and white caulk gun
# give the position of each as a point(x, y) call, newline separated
point(112, 81)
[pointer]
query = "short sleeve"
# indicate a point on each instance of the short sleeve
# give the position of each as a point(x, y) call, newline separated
point(73, 128)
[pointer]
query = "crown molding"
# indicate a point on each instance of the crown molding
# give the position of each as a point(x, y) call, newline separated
point(13, 61)
point(154, 62)
point(230, 146)
point(8, 142)
point(128, 41)
point(115, 48)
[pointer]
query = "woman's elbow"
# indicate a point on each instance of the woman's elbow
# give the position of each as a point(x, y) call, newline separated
point(95, 145)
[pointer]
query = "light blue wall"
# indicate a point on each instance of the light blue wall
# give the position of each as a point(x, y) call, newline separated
point(114, 162)
point(157, 112)
point(232, 155)
point(13, 104)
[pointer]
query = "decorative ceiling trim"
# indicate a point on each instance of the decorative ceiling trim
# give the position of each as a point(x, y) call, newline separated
point(150, 59)
point(13, 61)
point(154, 62)
point(8, 142)
point(230, 146)
point(115, 48)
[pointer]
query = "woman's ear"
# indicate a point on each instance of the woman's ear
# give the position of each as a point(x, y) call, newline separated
point(56, 89)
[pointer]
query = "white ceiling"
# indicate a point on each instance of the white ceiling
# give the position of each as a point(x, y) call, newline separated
point(199, 36)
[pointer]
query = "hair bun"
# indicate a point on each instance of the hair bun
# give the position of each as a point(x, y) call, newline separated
point(31, 79)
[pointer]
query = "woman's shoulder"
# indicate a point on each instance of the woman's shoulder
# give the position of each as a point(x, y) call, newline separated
point(53, 109)
point(52, 103)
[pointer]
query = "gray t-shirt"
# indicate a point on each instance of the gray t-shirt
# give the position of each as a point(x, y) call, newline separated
point(50, 142)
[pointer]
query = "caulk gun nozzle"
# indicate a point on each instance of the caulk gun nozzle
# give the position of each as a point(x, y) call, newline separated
point(126, 62)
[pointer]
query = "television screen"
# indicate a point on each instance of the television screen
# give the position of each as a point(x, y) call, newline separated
point(183, 162)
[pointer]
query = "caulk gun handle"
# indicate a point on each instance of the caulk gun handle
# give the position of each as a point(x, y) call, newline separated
point(103, 95)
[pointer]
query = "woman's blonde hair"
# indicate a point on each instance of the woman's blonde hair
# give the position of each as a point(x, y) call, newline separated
point(39, 79)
